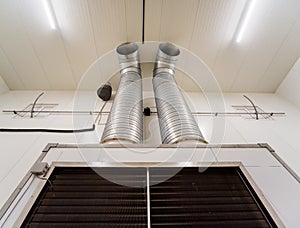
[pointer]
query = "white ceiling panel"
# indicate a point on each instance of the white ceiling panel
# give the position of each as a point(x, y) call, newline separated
point(18, 48)
point(47, 44)
point(153, 16)
point(134, 22)
point(220, 52)
point(267, 38)
point(74, 22)
point(109, 23)
point(177, 21)
point(286, 55)
point(10, 75)
point(232, 55)
point(227, 64)
point(32, 56)
point(215, 25)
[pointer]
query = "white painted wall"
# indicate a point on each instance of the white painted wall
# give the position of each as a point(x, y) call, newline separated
point(290, 86)
point(20, 150)
point(281, 132)
point(3, 86)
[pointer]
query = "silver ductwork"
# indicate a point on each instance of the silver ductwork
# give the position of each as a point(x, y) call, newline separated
point(125, 121)
point(177, 124)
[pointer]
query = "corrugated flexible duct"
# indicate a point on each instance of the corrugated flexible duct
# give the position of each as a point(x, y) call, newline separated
point(125, 121)
point(177, 124)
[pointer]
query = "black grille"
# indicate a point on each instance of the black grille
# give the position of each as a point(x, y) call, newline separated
point(79, 197)
point(217, 197)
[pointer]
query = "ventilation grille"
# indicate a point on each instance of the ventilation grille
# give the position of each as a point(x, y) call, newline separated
point(79, 197)
point(218, 197)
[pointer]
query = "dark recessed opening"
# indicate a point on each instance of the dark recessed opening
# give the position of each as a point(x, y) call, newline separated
point(79, 197)
point(216, 197)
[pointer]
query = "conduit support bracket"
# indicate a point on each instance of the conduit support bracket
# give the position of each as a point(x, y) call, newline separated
point(34, 103)
point(252, 103)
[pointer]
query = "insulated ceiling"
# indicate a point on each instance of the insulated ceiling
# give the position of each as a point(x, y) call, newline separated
point(32, 56)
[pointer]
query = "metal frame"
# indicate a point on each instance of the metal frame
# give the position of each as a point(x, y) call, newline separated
point(69, 112)
point(49, 146)
point(239, 165)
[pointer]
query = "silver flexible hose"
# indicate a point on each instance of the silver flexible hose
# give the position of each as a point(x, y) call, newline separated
point(177, 124)
point(125, 120)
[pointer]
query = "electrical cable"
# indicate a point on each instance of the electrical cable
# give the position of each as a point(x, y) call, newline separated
point(46, 179)
point(47, 130)
point(252, 103)
point(55, 130)
point(98, 118)
point(143, 23)
point(34, 103)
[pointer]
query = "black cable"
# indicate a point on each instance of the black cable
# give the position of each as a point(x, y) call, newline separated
point(47, 130)
point(256, 112)
point(34, 103)
point(52, 130)
point(143, 25)
point(100, 113)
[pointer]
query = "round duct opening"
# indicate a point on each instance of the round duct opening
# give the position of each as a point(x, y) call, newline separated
point(127, 49)
point(169, 49)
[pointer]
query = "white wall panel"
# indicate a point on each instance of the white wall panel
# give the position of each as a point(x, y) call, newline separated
point(281, 132)
point(290, 87)
point(275, 190)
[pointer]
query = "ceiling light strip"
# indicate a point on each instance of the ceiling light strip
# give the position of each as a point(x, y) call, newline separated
point(249, 12)
point(50, 14)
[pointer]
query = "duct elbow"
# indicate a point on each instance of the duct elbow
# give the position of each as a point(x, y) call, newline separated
point(128, 55)
point(166, 58)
